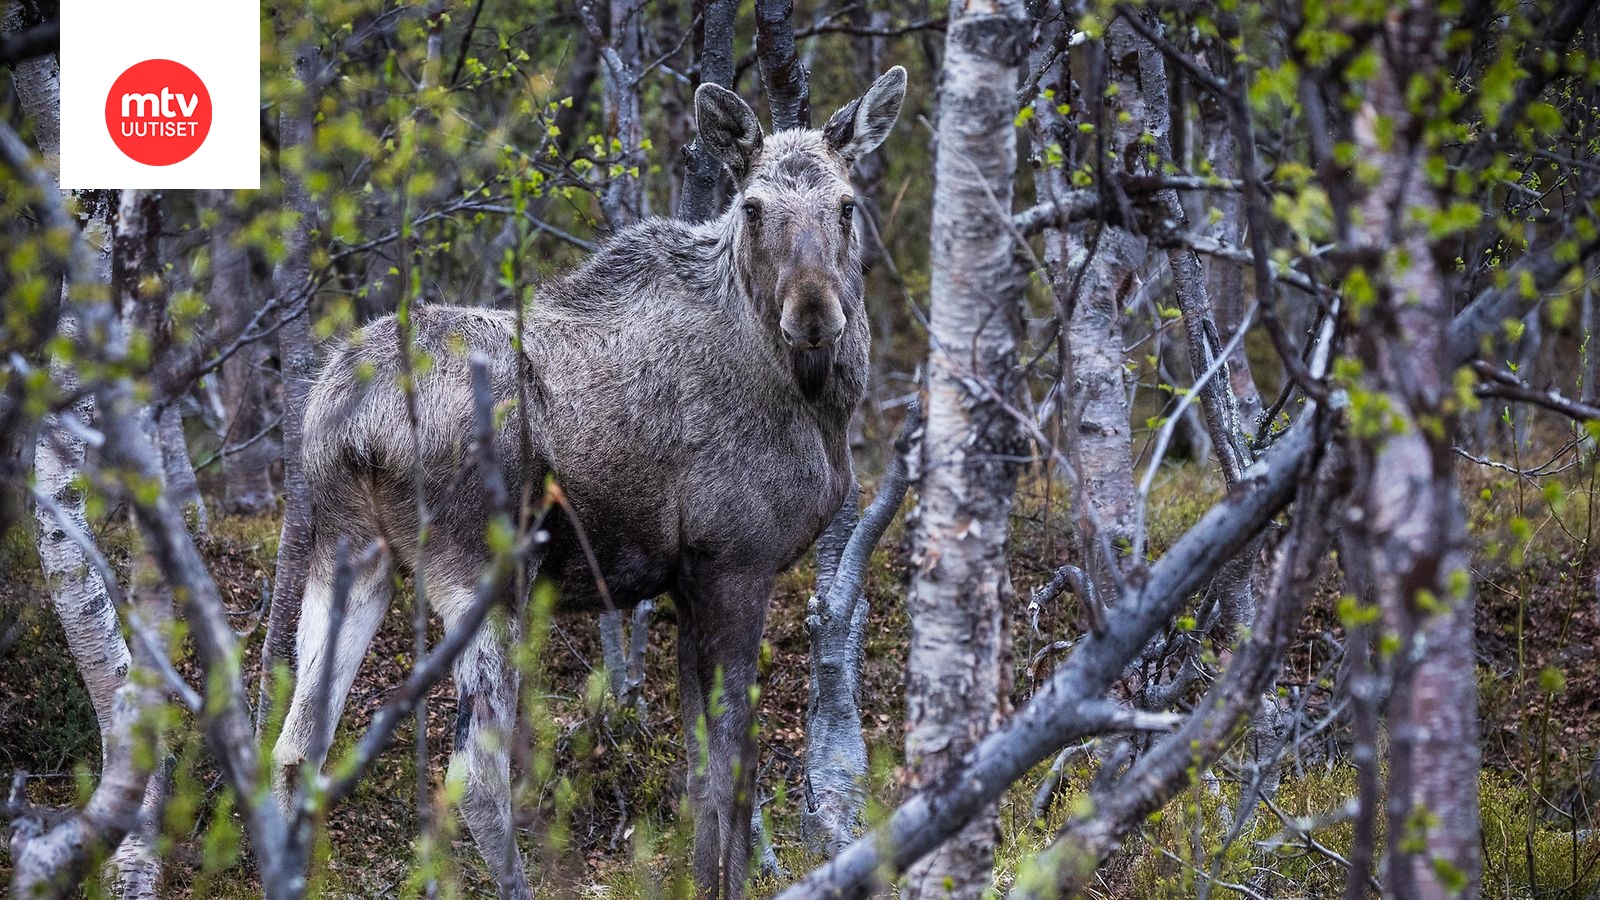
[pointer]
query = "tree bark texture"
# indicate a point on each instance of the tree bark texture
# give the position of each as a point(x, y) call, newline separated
point(178, 467)
point(140, 285)
point(37, 82)
point(956, 671)
point(1092, 275)
point(713, 47)
point(624, 200)
point(833, 751)
point(836, 622)
point(1224, 277)
point(297, 362)
point(783, 78)
point(1410, 526)
point(78, 594)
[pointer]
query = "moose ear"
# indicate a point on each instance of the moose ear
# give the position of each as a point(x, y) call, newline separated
point(728, 128)
point(862, 124)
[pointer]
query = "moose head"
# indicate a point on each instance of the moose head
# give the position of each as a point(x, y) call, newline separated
point(791, 221)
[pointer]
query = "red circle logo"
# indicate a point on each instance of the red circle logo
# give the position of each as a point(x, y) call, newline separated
point(158, 112)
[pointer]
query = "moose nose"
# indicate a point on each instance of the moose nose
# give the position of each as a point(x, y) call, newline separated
point(810, 336)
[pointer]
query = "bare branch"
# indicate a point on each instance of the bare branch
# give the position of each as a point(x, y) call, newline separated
point(1498, 382)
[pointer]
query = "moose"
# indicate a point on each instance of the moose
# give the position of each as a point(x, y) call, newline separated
point(689, 387)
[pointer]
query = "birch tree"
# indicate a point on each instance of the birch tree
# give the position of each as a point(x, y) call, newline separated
point(959, 594)
point(80, 592)
point(297, 364)
point(1411, 530)
point(1094, 270)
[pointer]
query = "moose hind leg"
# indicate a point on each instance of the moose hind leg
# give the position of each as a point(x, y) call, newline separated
point(370, 593)
point(480, 760)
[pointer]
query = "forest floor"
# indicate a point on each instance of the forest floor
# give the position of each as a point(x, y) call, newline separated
point(601, 798)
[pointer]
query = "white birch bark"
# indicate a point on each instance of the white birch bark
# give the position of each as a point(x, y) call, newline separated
point(957, 602)
point(1096, 276)
point(50, 863)
point(77, 593)
point(1409, 523)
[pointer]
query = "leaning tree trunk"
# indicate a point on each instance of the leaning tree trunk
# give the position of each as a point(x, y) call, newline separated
point(1410, 527)
point(836, 622)
point(956, 668)
point(297, 362)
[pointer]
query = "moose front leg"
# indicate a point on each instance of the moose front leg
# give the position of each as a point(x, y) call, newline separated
point(729, 614)
point(694, 680)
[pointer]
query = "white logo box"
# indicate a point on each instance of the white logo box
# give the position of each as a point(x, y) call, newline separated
point(219, 39)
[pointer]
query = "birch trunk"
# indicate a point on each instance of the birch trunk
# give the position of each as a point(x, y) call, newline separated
point(140, 284)
point(782, 76)
point(1410, 524)
point(713, 46)
point(48, 864)
point(1188, 278)
point(297, 362)
point(624, 199)
point(77, 592)
point(178, 468)
point(836, 621)
point(1093, 277)
point(1225, 278)
point(957, 663)
point(835, 752)
point(140, 290)
point(51, 863)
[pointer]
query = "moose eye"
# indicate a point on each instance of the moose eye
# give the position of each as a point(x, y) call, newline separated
point(752, 212)
point(847, 211)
